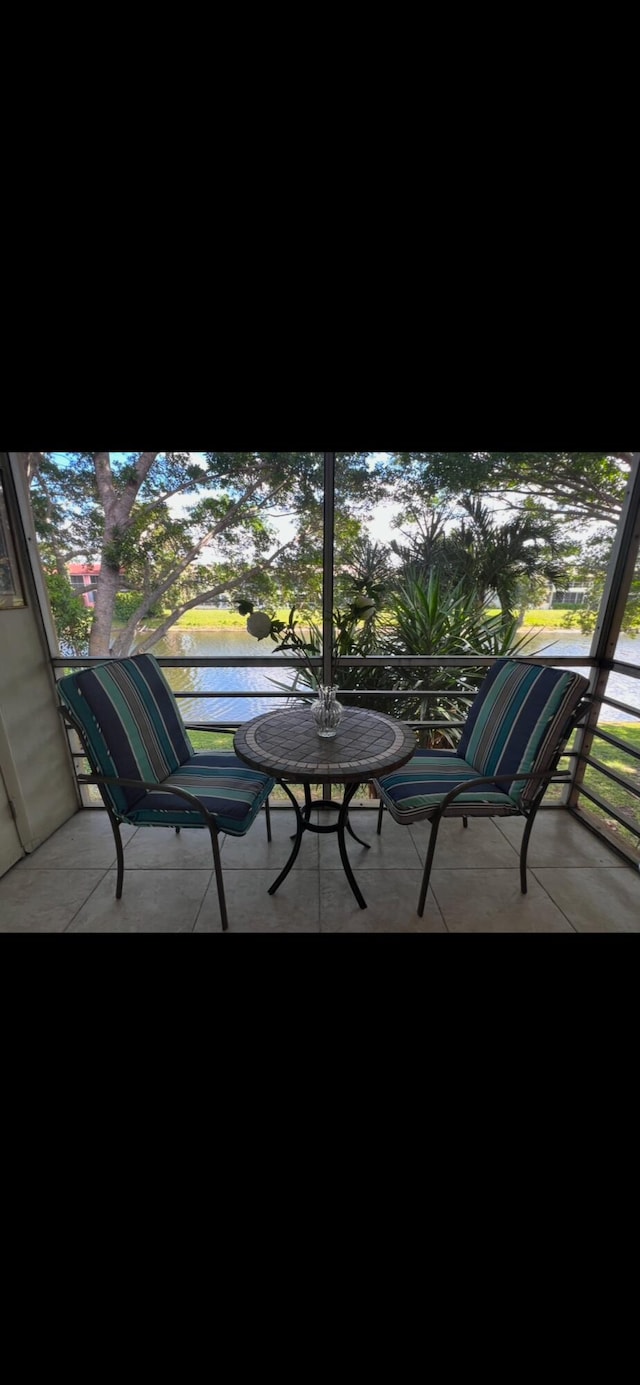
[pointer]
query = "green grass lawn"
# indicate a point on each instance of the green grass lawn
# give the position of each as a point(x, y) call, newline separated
point(618, 797)
point(232, 620)
point(220, 620)
point(547, 620)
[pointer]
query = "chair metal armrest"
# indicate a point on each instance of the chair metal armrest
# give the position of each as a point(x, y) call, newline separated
point(150, 788)
point(141, 784)
point(500, 779)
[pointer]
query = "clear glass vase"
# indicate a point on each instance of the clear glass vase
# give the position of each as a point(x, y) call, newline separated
point(327, 712)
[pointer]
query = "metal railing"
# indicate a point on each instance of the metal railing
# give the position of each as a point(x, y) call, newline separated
point(588, 760)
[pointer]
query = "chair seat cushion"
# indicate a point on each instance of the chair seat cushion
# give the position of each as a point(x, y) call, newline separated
point(417, 790)
point(224, 786)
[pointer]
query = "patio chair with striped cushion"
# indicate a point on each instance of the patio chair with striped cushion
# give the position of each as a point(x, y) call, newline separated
point(143, 762)
point(514, 736)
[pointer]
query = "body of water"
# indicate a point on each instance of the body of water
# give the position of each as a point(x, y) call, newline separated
point(226, 643)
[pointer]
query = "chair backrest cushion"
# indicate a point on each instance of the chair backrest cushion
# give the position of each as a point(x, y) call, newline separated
point(522, 712)
point(131, 722)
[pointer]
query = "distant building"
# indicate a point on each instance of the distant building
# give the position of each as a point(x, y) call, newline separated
point(220, 603)
point(81, 576)
point(571, 596)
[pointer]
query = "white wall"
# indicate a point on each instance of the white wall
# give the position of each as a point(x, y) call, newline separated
point(11, 848)
point(34, 757)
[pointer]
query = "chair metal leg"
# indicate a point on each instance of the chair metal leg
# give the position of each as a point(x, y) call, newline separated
point(435, 827)
point(218, 869)
point(465, 822)
point(267, 813)
point(115, 827)
point(524, 848)
point(380, 812)
point(177, 831)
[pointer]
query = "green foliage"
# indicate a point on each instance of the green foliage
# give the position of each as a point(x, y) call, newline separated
point(576, 486)
point(363, 586)
point(435, 621)
point(126, 604)
point(515, 558)
point(352, 636)
point(71, 617)
point(422, 619)
point(364, 568)
point(585, 617)
point(118, 507)
point(118, 510)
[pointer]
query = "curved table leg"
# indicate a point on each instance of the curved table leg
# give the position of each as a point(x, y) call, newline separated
point(306, 812)
point(300, 826)
point(343, 821)
point(325, 803)
point(359, 840)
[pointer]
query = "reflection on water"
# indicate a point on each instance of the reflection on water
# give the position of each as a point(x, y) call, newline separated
point(200, 643)
point(564, 643)
point(225, 643)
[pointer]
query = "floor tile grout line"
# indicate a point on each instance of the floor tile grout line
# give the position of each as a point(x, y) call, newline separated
point(438, 904)
point(497, 823)
point(26, 863)
point(201, 905)
point(86, 901)
point(471, 866)
point(614, 864)
point(553, 901)
point(361, 882)
point(581, 865)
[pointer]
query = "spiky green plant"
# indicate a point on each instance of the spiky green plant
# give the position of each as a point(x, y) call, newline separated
point(430, 620)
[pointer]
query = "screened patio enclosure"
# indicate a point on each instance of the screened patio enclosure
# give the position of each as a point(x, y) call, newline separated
point(603, 796)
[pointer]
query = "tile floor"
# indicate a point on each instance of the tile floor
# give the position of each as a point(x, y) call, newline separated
point(575, 884)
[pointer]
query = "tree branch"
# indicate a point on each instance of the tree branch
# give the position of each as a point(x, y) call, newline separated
point(201, 597)
point(606, 513)
point(148, 505)
point(150, 599)
point(143, 467)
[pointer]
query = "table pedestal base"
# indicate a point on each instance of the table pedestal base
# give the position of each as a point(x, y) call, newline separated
point(304, 824)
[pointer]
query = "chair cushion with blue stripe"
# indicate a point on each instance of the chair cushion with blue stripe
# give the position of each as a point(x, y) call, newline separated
point(520, 714)
point(131, 720)
point(224, 786)
point(416, 791)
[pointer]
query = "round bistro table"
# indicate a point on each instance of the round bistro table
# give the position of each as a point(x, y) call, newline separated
point(286, 746)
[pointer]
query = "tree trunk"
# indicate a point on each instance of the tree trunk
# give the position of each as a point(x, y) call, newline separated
point(117, 511)
point(125, 643)
point(108, 586)
point(505, 598)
